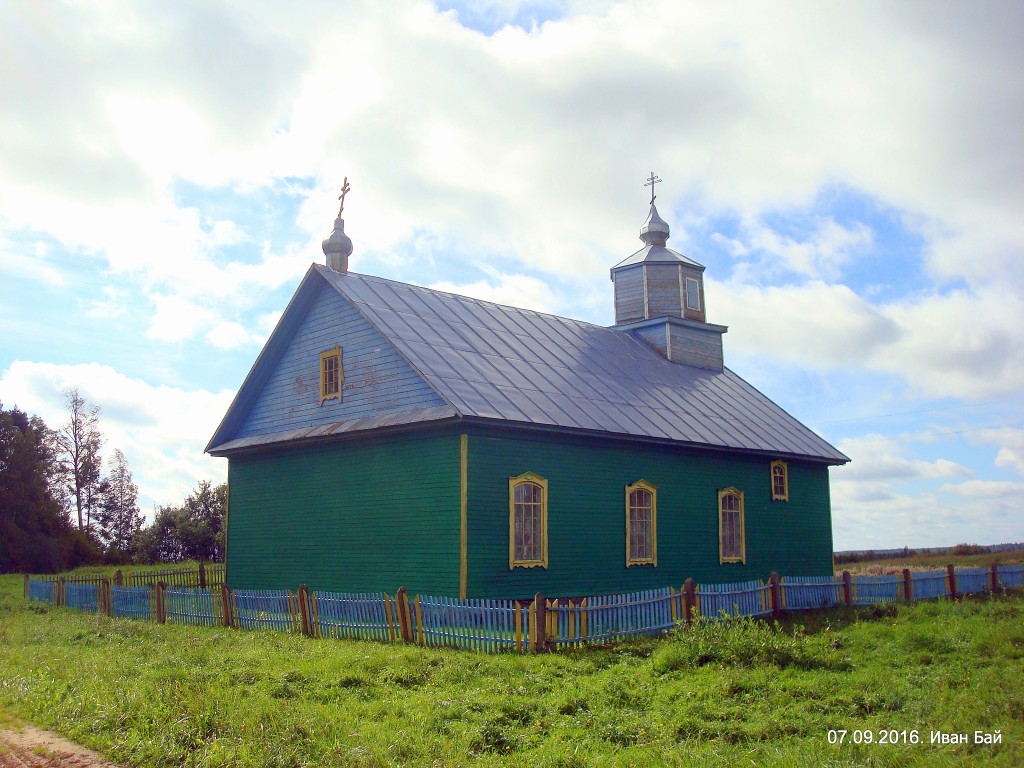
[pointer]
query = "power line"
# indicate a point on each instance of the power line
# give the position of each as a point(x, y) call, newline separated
point(925, 410)
point(926, 435)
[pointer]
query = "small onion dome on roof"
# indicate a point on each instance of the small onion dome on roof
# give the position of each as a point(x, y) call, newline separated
point(655, 230)
point(338, 247)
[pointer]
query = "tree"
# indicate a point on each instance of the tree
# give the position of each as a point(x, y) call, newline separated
point(193, 531)
point(117, 513)
point(34, 533)
point(79, 442)
point(205, 508)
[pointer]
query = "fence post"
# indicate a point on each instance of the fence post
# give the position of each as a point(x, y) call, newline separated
point(119, 578)
point(26, 585)
point(105, 603)
point(202, 575)
point(402, 608)
point(539, 627)
point(995, 578)
point(847, 588)
point(61, 597)
point(689, 600)
point(225, 601)
point(302, 596)
point(908, 586)
point(951, 578)
point(161, 607)
point(776, 593)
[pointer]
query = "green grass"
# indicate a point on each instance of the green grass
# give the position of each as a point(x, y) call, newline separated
point(718, 694)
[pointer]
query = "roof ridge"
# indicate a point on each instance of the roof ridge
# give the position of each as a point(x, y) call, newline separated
point(473, 298)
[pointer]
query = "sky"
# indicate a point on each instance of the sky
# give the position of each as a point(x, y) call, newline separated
point(850, 174)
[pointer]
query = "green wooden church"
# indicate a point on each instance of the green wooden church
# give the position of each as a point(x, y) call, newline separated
point(391, 435)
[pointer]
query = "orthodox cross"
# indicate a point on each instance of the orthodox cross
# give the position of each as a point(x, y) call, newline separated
point(345, 188)
point(650, 183)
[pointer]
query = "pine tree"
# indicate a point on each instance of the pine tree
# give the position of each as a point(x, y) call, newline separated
point(118, 518)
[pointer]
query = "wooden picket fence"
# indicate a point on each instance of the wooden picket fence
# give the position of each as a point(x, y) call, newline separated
point(491, 625)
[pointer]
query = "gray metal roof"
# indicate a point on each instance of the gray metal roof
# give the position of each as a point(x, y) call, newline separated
point(656, 254)
point(491, 361)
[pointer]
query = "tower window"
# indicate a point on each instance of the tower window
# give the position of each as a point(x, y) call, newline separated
point(331, 374)
point(692, 294)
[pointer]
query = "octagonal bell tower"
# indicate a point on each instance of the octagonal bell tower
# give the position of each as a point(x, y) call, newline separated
point(659, 297)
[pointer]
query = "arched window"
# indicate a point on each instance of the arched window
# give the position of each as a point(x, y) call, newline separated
point(527, 521)
point(780, 481)
point(641, 524)
point(732, 548)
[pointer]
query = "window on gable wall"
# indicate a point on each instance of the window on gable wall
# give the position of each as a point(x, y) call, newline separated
point(780, 481)
point(732, 547)
point(331, 374)
point(528, 521)
point(641, 524)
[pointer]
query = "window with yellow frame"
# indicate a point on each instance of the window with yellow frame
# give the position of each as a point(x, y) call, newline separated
point(332, 375)
point(527, 521)
point(731, 537)
point(780, 481)
point(641, 524)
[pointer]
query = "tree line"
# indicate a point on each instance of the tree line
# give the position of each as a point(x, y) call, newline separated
point(60, 507)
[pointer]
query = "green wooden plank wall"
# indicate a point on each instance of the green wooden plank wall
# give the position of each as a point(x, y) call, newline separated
point(366, 514)
point(586, 516)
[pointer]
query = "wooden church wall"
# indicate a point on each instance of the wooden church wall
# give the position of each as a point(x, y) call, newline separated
point(586, 516)
point(370, 514)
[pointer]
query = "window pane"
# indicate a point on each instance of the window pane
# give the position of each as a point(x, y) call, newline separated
point(640, 507)
point(527, 500)
point(692, 294)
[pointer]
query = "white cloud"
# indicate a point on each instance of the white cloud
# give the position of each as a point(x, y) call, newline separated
point(881, 461)
point(226, 335)
point(512, 290)
point(161, 430)
point(1011, 446)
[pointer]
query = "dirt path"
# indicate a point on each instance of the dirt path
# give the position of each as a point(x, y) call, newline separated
point(25, 746)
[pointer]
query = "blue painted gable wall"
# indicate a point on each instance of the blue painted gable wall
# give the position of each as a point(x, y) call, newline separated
point(377, 379)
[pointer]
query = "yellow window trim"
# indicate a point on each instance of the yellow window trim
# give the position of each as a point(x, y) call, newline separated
point(527, 477)
point(743, 533)
point(784, 496)
point(324, 356)
point(653, 490)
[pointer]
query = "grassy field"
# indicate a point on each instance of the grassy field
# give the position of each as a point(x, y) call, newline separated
point(740, 694)
point(928, 562)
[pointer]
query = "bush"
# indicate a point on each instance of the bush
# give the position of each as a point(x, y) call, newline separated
point(746, 642)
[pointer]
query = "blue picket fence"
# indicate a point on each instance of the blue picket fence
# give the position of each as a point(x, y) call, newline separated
point(973, 581)
point(83, 597)
point(744, 598)
point(354, 616)
point(198, 607)
point(265, 609)
point(475, 624)
point(868, 590)
point(1011, 576)
point(132, 602)
point(801, 593)
point(929, 584)
point(40, 591)
point(495, 625)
